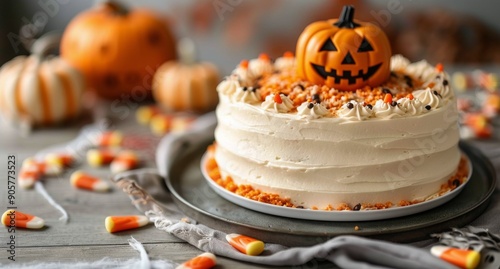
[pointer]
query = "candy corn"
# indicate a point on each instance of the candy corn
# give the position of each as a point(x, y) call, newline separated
point(14, 218)
point(82, 180)
point(160, 124)
point(61, 159)
point(110, 139)
point(125, 160)
point(245, 244)
point(99, 157)
point(42, 167)
point(204, 261)
point(467, 259)
point(144, 114)
point(181, 124)
point(121, 223)
point(27, 178)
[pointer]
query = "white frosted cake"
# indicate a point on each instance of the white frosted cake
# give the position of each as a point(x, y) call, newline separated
point(340, 126)
point(317, 147)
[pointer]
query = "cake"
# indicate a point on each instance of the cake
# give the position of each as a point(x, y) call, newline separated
point(285, 138)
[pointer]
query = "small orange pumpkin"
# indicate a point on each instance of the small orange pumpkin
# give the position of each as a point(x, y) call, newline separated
point(118, 50)
point(343, 53)
point(40, 90)
point(186, 85)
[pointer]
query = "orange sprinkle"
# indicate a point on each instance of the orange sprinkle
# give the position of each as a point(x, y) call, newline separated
point(439, 67)
point(288, 54)
point(277, 99)
point(244, 64)
point(264, 57)
point(410, 96)
point(388, 98)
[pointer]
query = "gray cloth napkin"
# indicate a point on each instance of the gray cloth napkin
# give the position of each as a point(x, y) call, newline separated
point(343, 251)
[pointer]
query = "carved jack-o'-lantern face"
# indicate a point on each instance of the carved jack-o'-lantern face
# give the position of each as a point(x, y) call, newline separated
point(345, 54)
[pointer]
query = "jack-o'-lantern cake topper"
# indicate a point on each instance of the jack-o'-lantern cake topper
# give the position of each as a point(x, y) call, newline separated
point(343, 53)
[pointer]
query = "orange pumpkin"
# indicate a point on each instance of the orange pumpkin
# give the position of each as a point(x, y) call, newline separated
point(40, 90)
point(343, 53)
point(118, 50)
point(186, 85)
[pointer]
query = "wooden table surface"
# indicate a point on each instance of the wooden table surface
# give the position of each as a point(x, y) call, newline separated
point(83, 238)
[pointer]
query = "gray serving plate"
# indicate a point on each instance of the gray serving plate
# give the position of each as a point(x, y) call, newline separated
point(197, 200)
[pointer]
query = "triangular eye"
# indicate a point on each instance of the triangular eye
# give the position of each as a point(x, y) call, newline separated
point(328, 46)
point(365, 46)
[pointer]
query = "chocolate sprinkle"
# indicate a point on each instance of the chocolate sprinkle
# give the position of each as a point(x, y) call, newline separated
point(300, 207)
point(428, 107)
point(456, 183)
point(310, 105)
point(357, 207)
point(254, 89)
point(385, 90)
point(301, 86)
point(369, 106)
point(350, 105)
point(394, 103)
point(437, 94)
point(445, 82)
point(316, 97)
point(245, 89)
point(438, 76)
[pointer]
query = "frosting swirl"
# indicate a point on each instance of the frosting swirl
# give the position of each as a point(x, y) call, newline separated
point(229, 85)
point(284, 63)
point(249, 95)
point(354, 111)
point(244, 75)
point(311, 110)
point(259, 67)
point(382, 109)
point(422, 70)
point(428, 97)
point(399, 62)
point(282, 107)
point(411, 106)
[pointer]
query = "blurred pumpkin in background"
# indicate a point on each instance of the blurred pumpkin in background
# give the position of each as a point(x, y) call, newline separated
point(40, 89)
point(186, 85)
point(117, 49)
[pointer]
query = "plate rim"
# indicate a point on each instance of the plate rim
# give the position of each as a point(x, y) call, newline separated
point(411, 231)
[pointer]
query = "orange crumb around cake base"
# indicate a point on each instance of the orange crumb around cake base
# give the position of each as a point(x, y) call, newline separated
point(247, 191)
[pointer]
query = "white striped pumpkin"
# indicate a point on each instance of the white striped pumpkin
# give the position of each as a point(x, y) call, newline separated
point(40, 91)
point(186, 87)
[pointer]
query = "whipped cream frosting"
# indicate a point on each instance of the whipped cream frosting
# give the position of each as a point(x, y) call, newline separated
point(311, 110)
point(259, 67)
point(428, 97)
point(249, 95)
point(385, 110)
point(228, 86)
point(355, 154)
point(411, 107)
point(284, 63)
point(281, 107)
point(399, 63)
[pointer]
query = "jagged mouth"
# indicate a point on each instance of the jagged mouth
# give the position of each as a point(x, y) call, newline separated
point(346, 74)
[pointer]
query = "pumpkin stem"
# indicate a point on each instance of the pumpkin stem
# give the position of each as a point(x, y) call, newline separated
point(46, 44)
point(187, 51)
point(117, 8)
point(346, 18)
